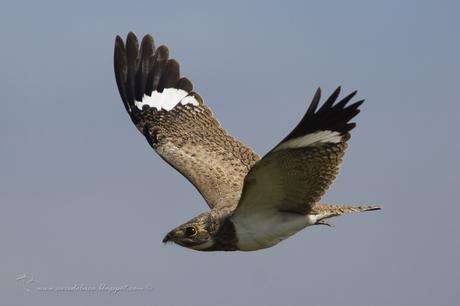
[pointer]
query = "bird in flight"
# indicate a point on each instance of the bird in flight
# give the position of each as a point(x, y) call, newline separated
point(254, 202)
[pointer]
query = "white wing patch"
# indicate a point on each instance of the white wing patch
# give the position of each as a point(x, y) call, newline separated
point(311, 140)
point(167, 99)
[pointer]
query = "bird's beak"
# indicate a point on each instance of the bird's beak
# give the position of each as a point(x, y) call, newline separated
point(173, 235)
point(168, 237)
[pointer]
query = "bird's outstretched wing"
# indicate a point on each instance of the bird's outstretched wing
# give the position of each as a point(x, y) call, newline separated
point(177, 124)
point(294, 175)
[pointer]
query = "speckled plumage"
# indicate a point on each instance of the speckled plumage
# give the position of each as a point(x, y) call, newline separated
point(255, 203)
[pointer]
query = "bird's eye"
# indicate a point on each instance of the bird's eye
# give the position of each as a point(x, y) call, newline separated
point(190, 231)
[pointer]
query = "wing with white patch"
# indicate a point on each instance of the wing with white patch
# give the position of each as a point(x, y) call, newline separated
point(295, 174)
point(177, 124)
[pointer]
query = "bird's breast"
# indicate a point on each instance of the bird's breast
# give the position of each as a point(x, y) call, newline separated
point(265, 229)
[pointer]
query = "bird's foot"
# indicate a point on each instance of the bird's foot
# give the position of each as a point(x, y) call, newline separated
point(323, 222)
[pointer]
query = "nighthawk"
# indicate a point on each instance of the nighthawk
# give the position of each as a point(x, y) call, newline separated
point(254, 202)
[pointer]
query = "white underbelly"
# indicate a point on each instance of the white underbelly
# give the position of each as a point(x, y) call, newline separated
point(266, 229)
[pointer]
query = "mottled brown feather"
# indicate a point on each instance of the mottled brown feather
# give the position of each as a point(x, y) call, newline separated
point(194, 143)
point(292, 180)
point(187, 137)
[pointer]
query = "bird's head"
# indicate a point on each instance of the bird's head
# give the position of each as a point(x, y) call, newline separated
point(195, 234)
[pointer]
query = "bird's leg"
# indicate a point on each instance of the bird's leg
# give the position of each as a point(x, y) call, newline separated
point(323, 222)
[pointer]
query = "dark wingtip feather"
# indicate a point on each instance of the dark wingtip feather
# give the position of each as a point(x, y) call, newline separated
point(163, 52)
point(170, 76)
point(349, 126)
point(147, 46)
point(353, 108)
point(148, 39)
point(119, 41)
point(161, 58)
point(330, 101)
point(314, 102)
point(131, 36)
point(336, 92)
point(139, 71)
point(146, 59)
point(132, 46)
point(351, 95)
point(330, 116)
point(120, 68)
point(132, 54)
point(185, 84)
point(345, 100)
point(357, 103)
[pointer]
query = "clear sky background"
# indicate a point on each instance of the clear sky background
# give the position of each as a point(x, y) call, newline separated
point(85, 201)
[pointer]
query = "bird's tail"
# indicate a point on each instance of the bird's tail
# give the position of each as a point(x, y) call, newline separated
point(324, 211)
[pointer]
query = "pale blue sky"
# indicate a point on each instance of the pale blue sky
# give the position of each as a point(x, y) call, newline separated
point(85, 201)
